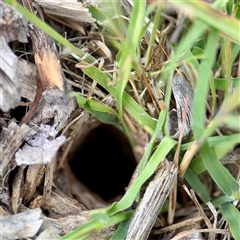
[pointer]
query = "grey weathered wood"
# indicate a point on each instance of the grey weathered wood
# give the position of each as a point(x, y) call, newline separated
point(11, 139)
point(181, 88)
point(12, 27)
point(70, 11)
point(22, 225)
point(10, 77)
point(152, 202)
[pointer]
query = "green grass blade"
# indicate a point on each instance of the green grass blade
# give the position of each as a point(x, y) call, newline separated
point(127, 55)
point(100, 220)
point(147, 154)
point(219, 173)
point(194, 33)
point(121, 231)
point(223, 199)
point(202, 84)
point(102, 112)
point(162, 150)
point(197, 185)
point(229, 26)
point(105, 22)
point(197, 165)
point(130, 105)
point(232, 215)
point(216, 140)
point(83, 231)
point(153, 35)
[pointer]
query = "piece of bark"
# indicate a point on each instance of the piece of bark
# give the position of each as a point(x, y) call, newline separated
point(21, 225)
point(58, 204)
point(34, 177)
point(40, 200)
point(48, 181)
point(51, 232)
point(44, 150)
point(29, 82)
point(10, 77)
point(70, 10)
point(51, 83)
point(12, 27)
point(45, 112)
point(11, 139)
point(5, 199)
point(17, 189)
point(152, 201)
point(181, 88)
point(3, 212)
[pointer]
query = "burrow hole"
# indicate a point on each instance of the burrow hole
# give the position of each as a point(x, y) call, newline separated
point(104, 161)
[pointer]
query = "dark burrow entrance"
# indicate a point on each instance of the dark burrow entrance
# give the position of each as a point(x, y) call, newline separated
point(104, 161)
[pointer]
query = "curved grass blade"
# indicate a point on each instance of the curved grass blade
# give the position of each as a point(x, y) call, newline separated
point(121, 231)
point(228, 26)
point(98, 222)
point(129, 104)
point(162, 150)
point(202, 85)
point(219, 173)
point(232, 215)
point(127, 55)
point(197, 185)
point(102, 112)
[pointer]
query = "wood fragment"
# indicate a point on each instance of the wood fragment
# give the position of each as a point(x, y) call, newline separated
point(51, 83)
point(68, 10)
point(17, 187)
point(11, 139)
point(181, 88)
point(34, 177)
point(152, 201)
point(10, 77)
point(12, 27)
point(188, 222)
point(26, 225)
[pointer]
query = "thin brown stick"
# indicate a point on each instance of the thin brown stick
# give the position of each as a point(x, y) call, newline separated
point(34, 105)
point(187, 233)
point(173, 193)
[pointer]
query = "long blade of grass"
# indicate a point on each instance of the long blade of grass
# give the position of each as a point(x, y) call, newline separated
point(147, 154)
point(162, 150)
point(229, 26)
point(197, 185)
point(202, 85)
point(130, 105)
point(153, 34)
point(128, 52)
point(232, 215)
point(219, 173)
point(121, 231)
point(98, 222)
point(102, 112)
point(216, 140)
